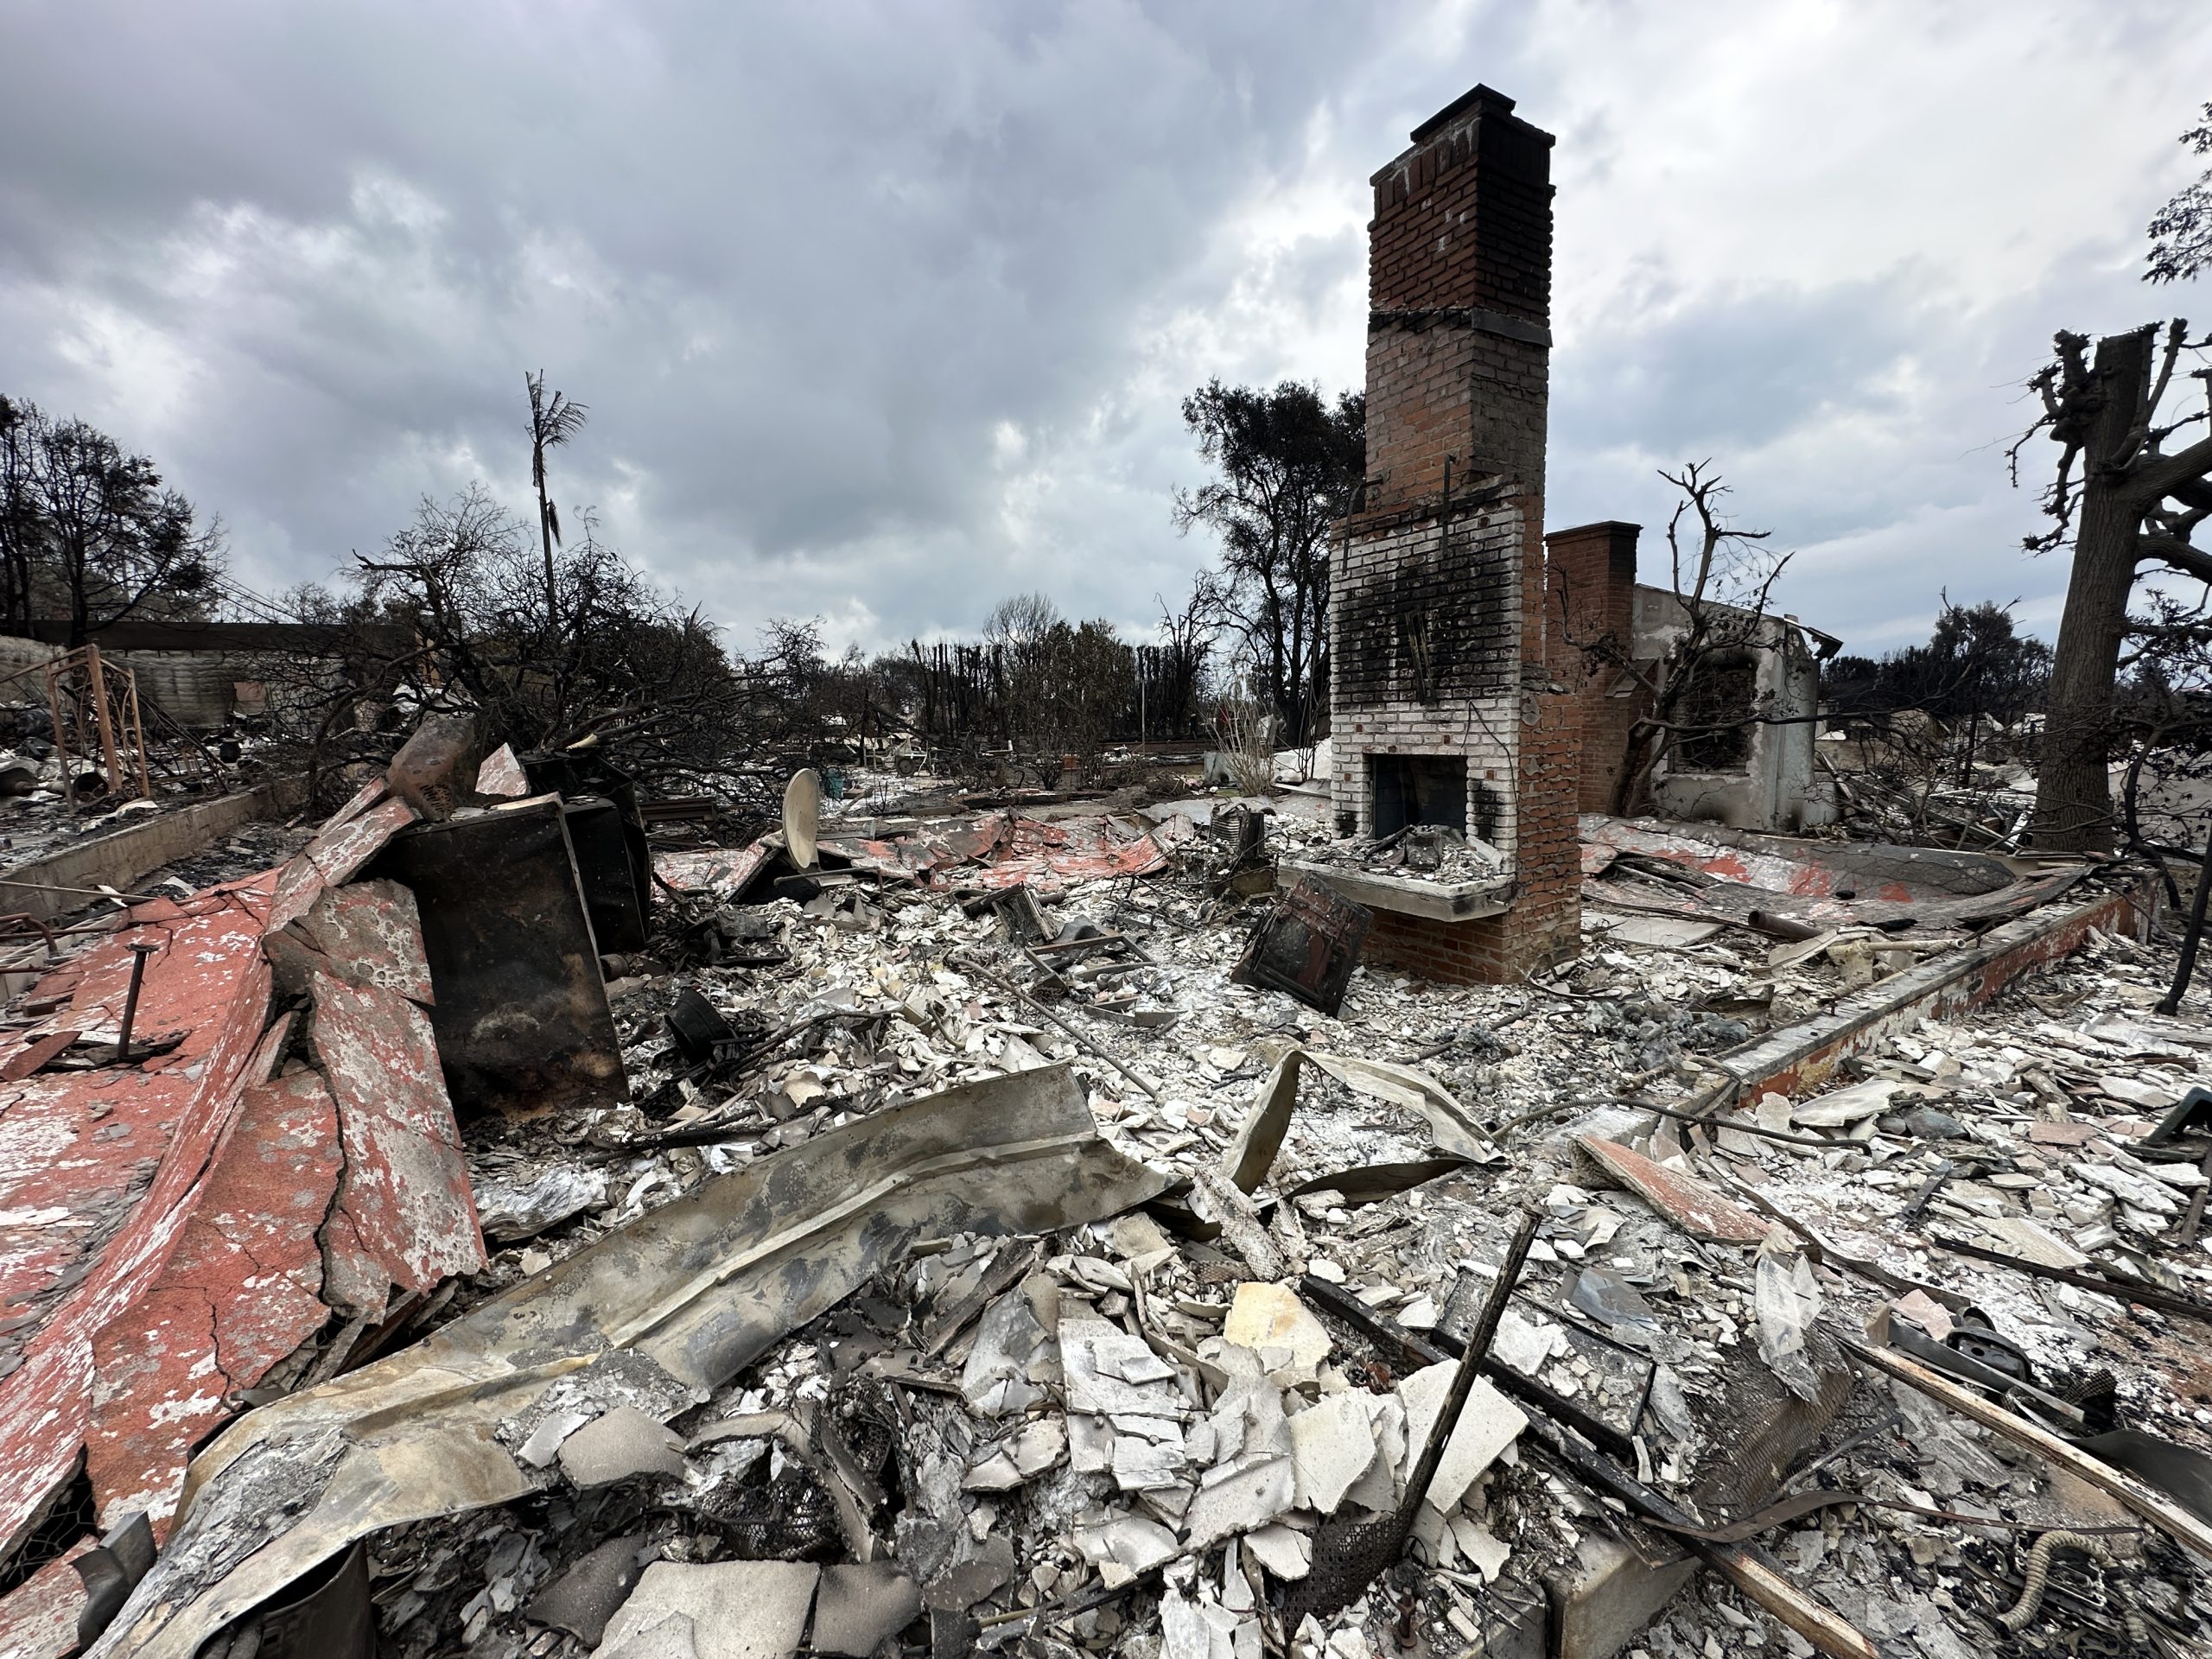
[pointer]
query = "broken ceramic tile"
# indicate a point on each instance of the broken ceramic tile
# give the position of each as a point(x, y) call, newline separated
point(1124, 1545)
point(1488, 1424)
point(1332, 1446)
point(1096, 1353)
point(1285, 1551)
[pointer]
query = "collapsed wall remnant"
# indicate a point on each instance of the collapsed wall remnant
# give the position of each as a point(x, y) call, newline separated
point(1443, 707)
point(1760, 688)
point(230, 1121)
point(183, 1209)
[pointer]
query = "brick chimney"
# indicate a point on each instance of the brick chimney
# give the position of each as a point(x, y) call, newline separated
point(1442, 703)
point(1593, 601)
point(1458, 283)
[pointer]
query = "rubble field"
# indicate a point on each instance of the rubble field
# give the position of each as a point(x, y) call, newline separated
point(935, 1244)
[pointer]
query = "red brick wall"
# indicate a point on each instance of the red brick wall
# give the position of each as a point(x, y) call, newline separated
point(1459, 301)
point(1593, 576)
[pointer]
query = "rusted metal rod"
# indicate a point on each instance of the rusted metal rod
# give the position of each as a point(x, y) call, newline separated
point(85, 892)
point(138, 954)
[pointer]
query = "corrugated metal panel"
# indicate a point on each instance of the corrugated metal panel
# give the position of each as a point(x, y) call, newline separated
point(191, 687)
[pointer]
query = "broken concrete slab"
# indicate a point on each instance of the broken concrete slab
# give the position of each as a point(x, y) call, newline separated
point(1029, 1452)
point(363, 933)
point(1239, 1497)
point(1142, 1464)
point(1840, 1107)
point(405, 1187)
point(1286, 1552)
point(436, 764)
point(1270, 1319)
point(1254, 1481)
point(502, 774)
point(1483, 1550)
point(166, 1371)
point(1488, 1424)
point(334, 857)
point(1014, 1359)
point(673, 1637)
point(1108, 1370)
point(100, 1172)
point(2030, 1241)
point(49, 887)
point(1125, 1545)
point(1332, 1446)
point(1674, 932)
point(736, 1609)
point(38, 1617)
point(1200, 1626)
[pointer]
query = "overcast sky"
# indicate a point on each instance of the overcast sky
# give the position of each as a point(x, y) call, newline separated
point(884, 311)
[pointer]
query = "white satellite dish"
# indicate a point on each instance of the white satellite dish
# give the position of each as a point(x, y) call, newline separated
point(802, 817)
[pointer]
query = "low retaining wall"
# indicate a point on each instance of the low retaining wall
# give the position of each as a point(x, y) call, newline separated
point(120, 859)
point(1804, 1056)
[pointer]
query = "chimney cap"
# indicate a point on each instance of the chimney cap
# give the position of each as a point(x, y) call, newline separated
point(1608, 525)
point(1488, 99)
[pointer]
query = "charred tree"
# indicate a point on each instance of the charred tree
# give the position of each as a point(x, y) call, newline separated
point(2126, 506)
point(1288, 463)
point(90, 533)
point(554, 419)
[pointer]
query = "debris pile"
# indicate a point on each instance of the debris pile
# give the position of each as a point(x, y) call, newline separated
point(941, 1235)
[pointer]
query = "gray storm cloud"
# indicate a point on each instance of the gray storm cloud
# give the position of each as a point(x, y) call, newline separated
point(884, 311)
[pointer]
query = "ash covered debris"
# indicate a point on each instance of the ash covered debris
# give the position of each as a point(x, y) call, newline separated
point(959, 1271)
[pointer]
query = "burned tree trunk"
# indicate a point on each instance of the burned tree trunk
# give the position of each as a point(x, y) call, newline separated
point(2073, 795)
point(2132, 504)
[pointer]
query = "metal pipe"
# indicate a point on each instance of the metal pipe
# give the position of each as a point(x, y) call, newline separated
point(2191, 939)
point(138, 955)
point(1471, 1365)
point(8, 923)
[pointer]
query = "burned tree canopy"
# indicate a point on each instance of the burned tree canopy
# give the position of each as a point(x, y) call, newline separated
point(1288, 463)
point(90, 533)
point(2181, 233)
point(450, 612)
